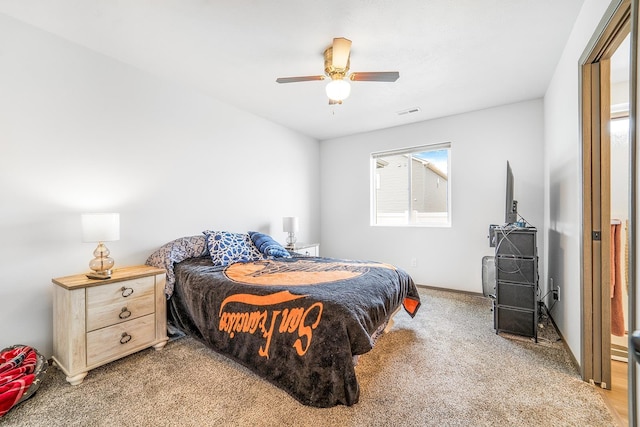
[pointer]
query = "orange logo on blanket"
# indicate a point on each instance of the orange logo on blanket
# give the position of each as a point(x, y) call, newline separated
point(298, 320)
point(300, 272)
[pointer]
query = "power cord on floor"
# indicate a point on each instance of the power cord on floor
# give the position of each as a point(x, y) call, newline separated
point(544, 316)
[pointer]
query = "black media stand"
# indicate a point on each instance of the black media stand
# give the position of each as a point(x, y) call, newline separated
point(516, 304)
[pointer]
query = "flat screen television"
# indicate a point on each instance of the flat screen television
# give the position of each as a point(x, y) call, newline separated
point(511, 206)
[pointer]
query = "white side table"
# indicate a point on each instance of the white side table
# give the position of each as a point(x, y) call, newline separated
point(305, 249)
point(98, 321)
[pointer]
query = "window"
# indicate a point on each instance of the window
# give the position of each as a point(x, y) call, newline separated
point(411, 186)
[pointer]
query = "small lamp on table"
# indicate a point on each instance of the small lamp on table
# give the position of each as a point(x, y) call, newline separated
point(101, 227)
point(290, 225)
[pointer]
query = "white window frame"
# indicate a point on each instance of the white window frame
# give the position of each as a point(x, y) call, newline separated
point(410, 219)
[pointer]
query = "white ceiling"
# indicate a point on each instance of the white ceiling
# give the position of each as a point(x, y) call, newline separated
point(453, 56)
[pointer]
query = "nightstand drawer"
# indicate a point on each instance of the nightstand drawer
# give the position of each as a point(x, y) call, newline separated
point(117, 340)
point(118, 312)
point(105, 304)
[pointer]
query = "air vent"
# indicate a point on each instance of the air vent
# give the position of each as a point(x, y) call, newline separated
point(408, 111)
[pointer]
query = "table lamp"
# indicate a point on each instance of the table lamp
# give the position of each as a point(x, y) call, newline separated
point(100, 227)
point(290, 225)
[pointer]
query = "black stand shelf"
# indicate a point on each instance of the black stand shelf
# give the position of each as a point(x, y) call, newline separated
point(516, 303)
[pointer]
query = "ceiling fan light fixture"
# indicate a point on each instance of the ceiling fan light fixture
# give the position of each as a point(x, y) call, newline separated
point(337, 63)
point(338, 89)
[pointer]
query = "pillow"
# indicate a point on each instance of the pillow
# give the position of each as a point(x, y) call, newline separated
point(174, 252)
point(267, 246)
point(226, 248)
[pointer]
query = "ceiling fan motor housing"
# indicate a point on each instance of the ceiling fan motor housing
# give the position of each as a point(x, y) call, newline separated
point(332, 71)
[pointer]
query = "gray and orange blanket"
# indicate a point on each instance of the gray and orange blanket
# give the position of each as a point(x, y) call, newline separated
point(297, 322)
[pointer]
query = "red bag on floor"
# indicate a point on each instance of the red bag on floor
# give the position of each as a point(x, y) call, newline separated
point(17, 368)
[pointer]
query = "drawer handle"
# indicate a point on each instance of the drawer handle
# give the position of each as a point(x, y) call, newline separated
point(125, 313)
point(126, 291)
point(125, 338)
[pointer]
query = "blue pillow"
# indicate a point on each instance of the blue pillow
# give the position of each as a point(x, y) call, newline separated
point(226, 248)
point(267, 246)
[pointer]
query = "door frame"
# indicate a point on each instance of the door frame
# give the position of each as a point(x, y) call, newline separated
point(634, 137)
point(619, 20)
point(596, 204)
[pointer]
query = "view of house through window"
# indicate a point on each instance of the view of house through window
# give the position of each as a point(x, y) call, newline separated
point(411, 186)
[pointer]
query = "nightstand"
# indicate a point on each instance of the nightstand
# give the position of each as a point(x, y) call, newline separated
point(98, 321)
point(305, 249)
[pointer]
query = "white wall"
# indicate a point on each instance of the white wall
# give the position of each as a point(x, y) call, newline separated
point(562, 170)
point(80, 132)
point(481, 144)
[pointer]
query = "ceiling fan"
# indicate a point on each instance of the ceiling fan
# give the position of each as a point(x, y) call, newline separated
point(336, 67)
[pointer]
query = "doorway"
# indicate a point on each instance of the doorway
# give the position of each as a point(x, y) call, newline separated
point(606, 205)
point(619, 208)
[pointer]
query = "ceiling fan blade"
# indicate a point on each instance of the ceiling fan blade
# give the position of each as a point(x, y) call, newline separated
point(341, 51)
point(375, 76)
point(298, 79)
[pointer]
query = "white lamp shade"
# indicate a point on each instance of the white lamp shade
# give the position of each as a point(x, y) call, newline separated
point(290, 224)
point(338, 90)
point(100, 227)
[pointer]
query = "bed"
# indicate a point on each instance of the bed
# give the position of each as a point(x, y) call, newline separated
point(298, 322)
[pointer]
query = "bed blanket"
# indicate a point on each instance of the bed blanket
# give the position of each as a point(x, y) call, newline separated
point(296, 322)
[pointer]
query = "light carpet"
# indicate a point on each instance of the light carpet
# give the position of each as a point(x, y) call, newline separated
point(445, 367)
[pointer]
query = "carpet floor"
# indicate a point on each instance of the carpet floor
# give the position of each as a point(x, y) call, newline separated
point(445, 367)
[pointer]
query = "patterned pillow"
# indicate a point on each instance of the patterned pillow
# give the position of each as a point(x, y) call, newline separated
point(226, 248)
point(174, 252)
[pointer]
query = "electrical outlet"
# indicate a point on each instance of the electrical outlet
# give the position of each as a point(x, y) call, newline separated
point(414, 262)
point(555, 291)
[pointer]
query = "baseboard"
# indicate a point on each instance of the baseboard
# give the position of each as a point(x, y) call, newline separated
point(564, 342)
point(456, 291)
point(619, 353)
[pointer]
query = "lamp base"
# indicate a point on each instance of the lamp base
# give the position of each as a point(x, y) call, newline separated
point(101, 264)
point(99, 275)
